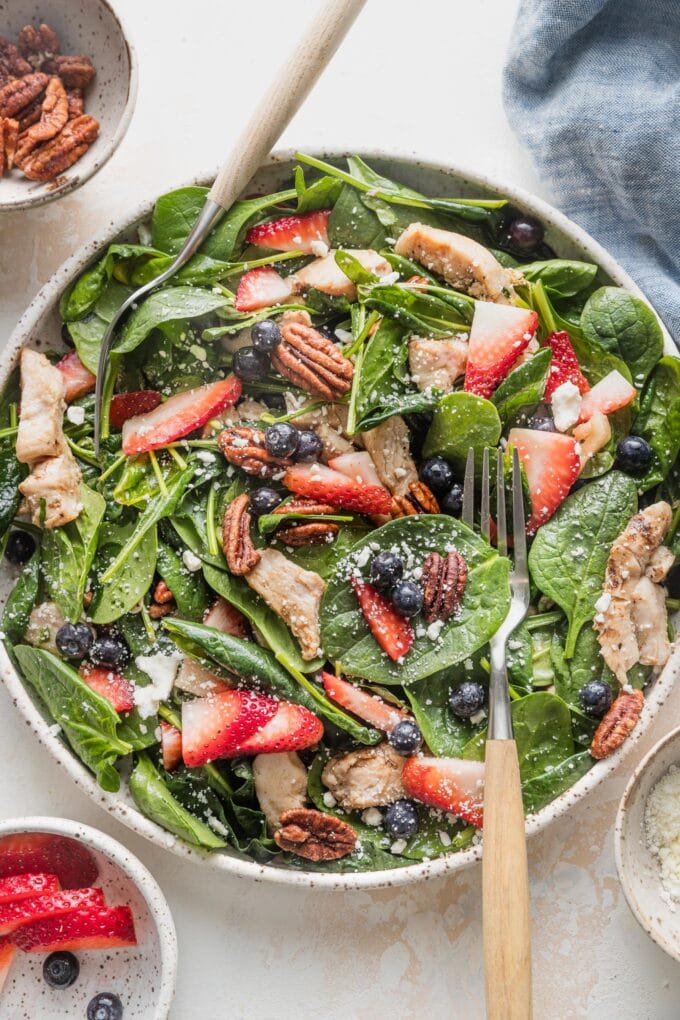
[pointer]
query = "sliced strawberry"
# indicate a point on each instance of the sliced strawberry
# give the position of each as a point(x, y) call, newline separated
point(308, 233)
point(112, 686)
point(564, 365)
point(551, 464)
point(357, 465)
point(609, 394)
point(129, 405)
point(213, 727)
point(292, 728)
point(371, 709)
point(179, 416)
point(14, 915)
point(78, 380)
point(227, 618)
point(261, 288)
point(498, 335)
point(322, 483)
point(171, 746)
point(7, 954)
point(33, 852)
point(392, 631)
point(450, 784)
point(15, 888)
point(91, 928)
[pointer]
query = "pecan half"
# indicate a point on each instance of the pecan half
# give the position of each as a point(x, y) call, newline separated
point(304, 505)
point(245, 448)
point(443, 582)
point(30, 114)
point(53, 117)
point(419, 500)
point(75, 72)
point(240, 553)
point(19, 93)
point(311, 361)
point(162, 594)
point(617, 723)
point(313, 533)
point(41, 42)
point(314, 835)
point(12, 64)
point(58, 155)
point(157, 612)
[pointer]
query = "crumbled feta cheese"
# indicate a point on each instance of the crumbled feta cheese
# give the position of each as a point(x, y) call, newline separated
point(444, 838)
point(343, 335)
point(389, 278)
point(206, 457)
point(398, 846)
point(478, 717)
point(434, 630)
point(191, 561)
point(604, 602)
point(372, 816)
point(566, 406)
point(76, 415)
point(329, 800)
point(161, 670)
point(319, 248)
point(662, 830)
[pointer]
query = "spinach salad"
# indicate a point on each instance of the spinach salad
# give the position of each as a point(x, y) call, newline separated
point(257, 605)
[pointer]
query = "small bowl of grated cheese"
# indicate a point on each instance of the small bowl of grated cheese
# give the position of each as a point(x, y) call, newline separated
point(647, 843)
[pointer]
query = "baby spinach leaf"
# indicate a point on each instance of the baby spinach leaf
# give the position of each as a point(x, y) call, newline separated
point(189, 589)
point(172, 304)
point(626, 326)
point(154, 799)
point(268, 523)
point(658, 420)
point(562, 278)
point(323, 558)
point(320, 194)
point(88, 720)
point(21, 601)
point(77, 301)
point(352, 224)
point(346, 638)
point(460, 421)
point(545, 786)
point(569, 553)
point(425, 313)
point(445, 734)
point(522, 390)
point(87, 333)
point(113, 598)
point(68, 552)
point(228, 234)
point(12, 473)
point(174, 216)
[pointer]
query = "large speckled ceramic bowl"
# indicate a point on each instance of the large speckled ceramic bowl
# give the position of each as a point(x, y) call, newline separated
point(637, 866)
point(142, 976)
point(91, 28)
point(40, 326)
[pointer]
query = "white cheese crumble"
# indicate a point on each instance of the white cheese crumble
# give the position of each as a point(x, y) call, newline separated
point(161, 670)
point(372, 816)
point(319, 248)
point(329, 800)
point(398, 846)
point(662, 829)
point(191, 561)
point(604, 602)
point(206, 456)
point(566, 406)
point(76, 415)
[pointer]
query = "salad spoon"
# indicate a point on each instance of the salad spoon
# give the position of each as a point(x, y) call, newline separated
point(272, 115)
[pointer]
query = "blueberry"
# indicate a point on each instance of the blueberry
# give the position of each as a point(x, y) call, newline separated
point(633, 454)
point(105, 1006)
point(109, 651)
point(523, 233)
point(61, 970)
point(542, 423)
point(407, 598)
point(74, 640)
point(406, 738)
point(20, 547)
point(250, 365)
point(436, 474)
point(265, 335)
point(466, 699)
point(309, 446)
point(281, 439)
point(401, 819)
point(452, 502)
point(596, 697)
point(264, 501)
point(386, 570)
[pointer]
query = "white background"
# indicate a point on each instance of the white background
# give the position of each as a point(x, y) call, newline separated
point(421, 77)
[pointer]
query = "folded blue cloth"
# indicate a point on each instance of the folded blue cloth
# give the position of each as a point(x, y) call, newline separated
point(593, 89)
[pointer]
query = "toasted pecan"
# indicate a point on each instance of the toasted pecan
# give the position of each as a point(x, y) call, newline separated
point(314, 835)
point(18, 94)
point(239, 551)
point(443, 582)
point(41, 42)
point(305, 506)
point(12, 64)
point(245, 447)
point(419, 500)
point(53, 117)
point(618, 722)
point(312, 533)
point(310, 360)
point(162, 594)
point(76, 72)
point(57, 155)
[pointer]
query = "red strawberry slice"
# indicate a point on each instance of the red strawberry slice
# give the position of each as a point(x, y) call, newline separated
point(15, 915)
point(78, 380)
point(261, 288)
point(392, 631)
point(112, 686)
point(551, 464)
point(129, 405)
point(498, 335)
point(564, 365)
point(371, 709)
point(358, 466)
point(308, 233)
point(292, 728)
point(215, 726)
point(171, 746)
point(450, 784)
point(72, 863)
point(609, 394)
point(328, 486)
point(179, 416)
point(227, 618)
point(7, 954)
point(23, 887)
point(92, 928)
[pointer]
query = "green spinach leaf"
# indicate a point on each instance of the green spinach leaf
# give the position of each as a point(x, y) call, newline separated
point(68, 553)
point(189, 589)
point(626, 326)
point(154, 799)
point(658, 420)
point(462, 421)
point(113, 598)
point(21, 601)
point(522, 390)
point(562, 278)
point(172, 304)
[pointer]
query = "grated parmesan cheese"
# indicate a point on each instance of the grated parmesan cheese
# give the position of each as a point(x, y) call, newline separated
point(662, 830)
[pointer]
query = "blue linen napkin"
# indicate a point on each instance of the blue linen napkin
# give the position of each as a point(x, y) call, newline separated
point(592, 87)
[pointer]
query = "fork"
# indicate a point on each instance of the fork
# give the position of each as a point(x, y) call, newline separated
point(505, 883)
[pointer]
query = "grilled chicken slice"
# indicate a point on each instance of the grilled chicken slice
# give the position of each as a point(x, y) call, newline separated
point(56, 480)
point(436, 364)
point(43, 623)
point(369, 777)
point(661, 561)
point(292, 593)
point(194, 678)
point(325, 274)
point(329, 422)
point(462, 262)
point(648, 613)
point(40, 431)
point(280, 785)
point(390, 450)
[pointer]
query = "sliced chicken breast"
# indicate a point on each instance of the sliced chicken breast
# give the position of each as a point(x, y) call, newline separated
point(56, 480)
point(292, 593)
point(280, 785)
point(390, 450)
point(436, 364)
point(325, 274)
point(40, 431)
point(369, 777)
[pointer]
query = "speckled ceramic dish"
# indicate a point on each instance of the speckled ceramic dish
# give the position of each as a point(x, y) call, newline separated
point(40, 325)
point(637, 866)
point(143, 977)
point(94, 29)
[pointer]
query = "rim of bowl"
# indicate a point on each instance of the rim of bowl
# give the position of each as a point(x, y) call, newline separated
point(621, 831)
point(135, 870)
point(232, 862)
point(107, 150)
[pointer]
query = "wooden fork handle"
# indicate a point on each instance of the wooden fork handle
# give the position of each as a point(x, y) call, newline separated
point(283, 98)
point(505, 888)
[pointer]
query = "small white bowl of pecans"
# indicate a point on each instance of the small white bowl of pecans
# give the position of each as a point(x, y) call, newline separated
point(68, 84)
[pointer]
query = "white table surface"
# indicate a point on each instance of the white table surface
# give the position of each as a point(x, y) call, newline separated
point(412, 76)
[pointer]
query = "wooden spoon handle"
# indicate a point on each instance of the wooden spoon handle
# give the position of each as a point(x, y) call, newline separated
point(283, 98)
point(505, 888)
